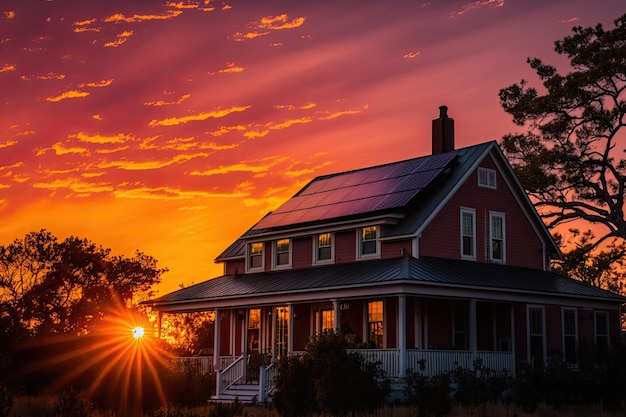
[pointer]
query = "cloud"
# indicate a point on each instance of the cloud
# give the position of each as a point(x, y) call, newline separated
point(167, 103)
point(335, 115)
point(150, 165)
point(68, 94)
point(411, 55)
point(169, 193)
point(84, 22)
point(115, 44)
point(119, 17)
point(7, 144)
point(101, 139)
point(280, 22)
point(570, 20)
point(268, 24)
point(48, 76)
point(173, 121)
point(305, 106)
point(231, 68)
point(101, 83)
point(76, 185)
point(261, 167)
point(7, 68)
point(469, 7)
point(182, 5)
point(9, 14)
point(226, 129)
point(60, 149)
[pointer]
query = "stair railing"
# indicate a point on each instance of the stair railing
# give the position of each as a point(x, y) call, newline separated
point(233, 373)
point(267, 381)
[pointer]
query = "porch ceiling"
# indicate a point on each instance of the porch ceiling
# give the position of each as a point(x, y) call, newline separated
point(408, 271)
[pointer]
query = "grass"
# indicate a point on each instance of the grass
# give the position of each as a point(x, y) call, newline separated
point(43, 406)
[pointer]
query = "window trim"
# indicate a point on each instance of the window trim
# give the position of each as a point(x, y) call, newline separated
point(564, 335)
point(249, 255)
point(487, 174)
point(542, 309)
point(316, 247)
point(275, 265)
point(360, 254)
point(492, 215)
point(472, 212)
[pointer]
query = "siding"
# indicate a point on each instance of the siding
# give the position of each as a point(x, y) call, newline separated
point(345, 246)
point(394, 249)
point(441, 238)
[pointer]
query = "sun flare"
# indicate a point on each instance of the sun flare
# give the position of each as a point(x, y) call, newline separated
point(138, 332)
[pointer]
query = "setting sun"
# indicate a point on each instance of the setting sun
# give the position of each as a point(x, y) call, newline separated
point(138, 332)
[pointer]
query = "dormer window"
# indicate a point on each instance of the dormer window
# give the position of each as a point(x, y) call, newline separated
point(323, 248)
point(255, 255)
point(487, 178)
point(282, 253)
point(368, 241)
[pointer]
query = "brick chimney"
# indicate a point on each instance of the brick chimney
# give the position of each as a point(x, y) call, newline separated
point(443, 132)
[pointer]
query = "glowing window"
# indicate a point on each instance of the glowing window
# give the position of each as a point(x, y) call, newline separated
point(375, 328)
point(255, 255)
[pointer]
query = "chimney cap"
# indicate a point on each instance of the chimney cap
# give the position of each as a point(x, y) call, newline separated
point(443, 111)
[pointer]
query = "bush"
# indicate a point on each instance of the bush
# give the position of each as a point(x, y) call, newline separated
point(431, 395)
point(329, 379)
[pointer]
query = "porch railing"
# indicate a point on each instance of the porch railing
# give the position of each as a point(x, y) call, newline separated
point(203, 363)
point(440, 361)
point(267, 381)
point(233, 373)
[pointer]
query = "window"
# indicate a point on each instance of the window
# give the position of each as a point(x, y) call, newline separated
point(487, 178)
point(375, 335)
point(254, 326)
point(468, 233)
point(536, 336)
point(460, 326)
point(496, 237)
point(570, 335)
point(255, 255)
point(368, 241)
point(601, 319)
point(324, 247)
point(328, 320)
point(282, 256)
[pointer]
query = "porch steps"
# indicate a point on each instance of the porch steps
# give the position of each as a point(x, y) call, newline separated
point(243, 393)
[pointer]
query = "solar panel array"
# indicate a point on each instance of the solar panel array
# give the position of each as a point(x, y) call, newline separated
point(358, 192)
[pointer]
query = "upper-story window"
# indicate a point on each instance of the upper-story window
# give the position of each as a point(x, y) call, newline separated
point(255, 255)
point(368, 241)
point(496, 237)
point(487, 178)
point(282, 253)
point(468, 233)
point(323, 248)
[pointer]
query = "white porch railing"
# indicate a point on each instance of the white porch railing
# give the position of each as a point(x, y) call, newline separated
point(233, 373)
point(267, 381)
point(202, 363)
point(440, 361)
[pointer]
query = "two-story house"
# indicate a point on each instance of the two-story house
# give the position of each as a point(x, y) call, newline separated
point(441, 258)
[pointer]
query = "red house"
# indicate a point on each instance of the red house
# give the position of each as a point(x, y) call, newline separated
point(440, 258)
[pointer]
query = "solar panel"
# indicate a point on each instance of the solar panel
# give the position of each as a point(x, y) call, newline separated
point(357, 192)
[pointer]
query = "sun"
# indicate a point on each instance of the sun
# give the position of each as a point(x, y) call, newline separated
point(138, 332)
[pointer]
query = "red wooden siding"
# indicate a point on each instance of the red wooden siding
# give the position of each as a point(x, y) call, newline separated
point(235, 267)
point(441, 238)
point(301, 326)
point(345, 246)
point(302, 255)
point(224, 320)
point(394, 249)
point(390, 312)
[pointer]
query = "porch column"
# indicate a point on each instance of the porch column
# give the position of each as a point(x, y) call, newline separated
point(216, 352)
point(160, 322)
point(290, 329)
point(216, 340)
point(473, 329)
point(336, 324)
point(402, 334)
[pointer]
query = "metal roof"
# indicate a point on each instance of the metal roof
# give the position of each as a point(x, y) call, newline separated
point(409, 271)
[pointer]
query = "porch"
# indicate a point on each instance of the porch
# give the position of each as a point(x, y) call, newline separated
point(235, 370)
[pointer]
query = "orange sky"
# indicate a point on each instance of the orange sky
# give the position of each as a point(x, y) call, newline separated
point(172, 127)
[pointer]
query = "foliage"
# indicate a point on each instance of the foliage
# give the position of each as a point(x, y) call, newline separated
point(49, 286)
point(72, 404)
point(569, 160)
point(188, 333)
point(328, 378)
point(431, 395)
point(6, 401)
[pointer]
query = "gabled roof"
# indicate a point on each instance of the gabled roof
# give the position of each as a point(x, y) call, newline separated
point(414, 190)
point(412, 276)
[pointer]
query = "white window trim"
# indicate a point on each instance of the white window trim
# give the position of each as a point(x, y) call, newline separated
point(489, 174)
point(275, 266)
point(493, 214)
point(543, 328)
point(359, 235)
point(317, 261)
point(563, 310)
point(465, 210)
point(249, 267)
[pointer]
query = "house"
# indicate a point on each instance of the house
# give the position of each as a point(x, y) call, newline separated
point(440, 259)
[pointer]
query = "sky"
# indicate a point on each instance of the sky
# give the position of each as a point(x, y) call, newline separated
point(173, 127)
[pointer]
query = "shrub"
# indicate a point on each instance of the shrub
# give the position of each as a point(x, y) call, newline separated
point(431, 395)
point(329, 379)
